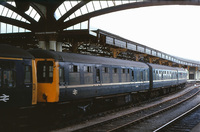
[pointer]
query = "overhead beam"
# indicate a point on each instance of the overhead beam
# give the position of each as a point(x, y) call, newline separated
point(15, 22)
point(24, 15)
point(122, 7)
point(72, 10)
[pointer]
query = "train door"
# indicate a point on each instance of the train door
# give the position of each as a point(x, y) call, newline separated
point(26, 85)
point(142, 83)
point(98, 74)
point(48, 80)
point(132, 75)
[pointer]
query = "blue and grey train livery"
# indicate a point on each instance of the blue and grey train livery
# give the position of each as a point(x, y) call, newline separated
point(69, 76)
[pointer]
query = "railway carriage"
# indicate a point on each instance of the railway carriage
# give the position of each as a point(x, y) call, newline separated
point(18, 85)
point(165, 76)
point(182, 76)
point(70, 77)
point(85, 77)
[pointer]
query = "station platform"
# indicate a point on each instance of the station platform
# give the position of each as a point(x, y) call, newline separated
point(196, 128)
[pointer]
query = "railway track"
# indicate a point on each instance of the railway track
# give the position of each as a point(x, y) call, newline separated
point(121, 122)
point(48, 118)
point(182, 123)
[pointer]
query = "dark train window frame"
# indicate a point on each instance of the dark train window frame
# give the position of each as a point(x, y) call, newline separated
point(88, 69)
point(98, 75)
point(61, 75)
point(132, 75)
point(46, 70)
point(27, 74)
point(74, 68)
point(115, 70)
point(106, 69)
point(142, 75)
point(7, 66)
point(123, 71)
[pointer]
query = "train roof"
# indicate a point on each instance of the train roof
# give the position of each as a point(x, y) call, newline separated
point(156, 66)
point(14, 52)
point(80, 58)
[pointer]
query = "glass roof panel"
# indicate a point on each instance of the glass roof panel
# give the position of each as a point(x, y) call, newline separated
point(15, 29)
point(78, 13)
point(21, 30)
point(110, 3)
point(10, 12)
point(67, 19)
point(9, 28)
point(62, 9)
point(14, 15)
point(90, 7)
point(5, 10)
point(26, 30)
point(84, 10)
point(84, 25)
point(67, 5)
point(57, 14)
point(125, 1)
point(3, 27)
point(18, 17)
point(12, 3)
point(23, 20)
point(37, 17)
point(72, 16)
point(1, 9)
point(33, 13)
point(73, 3)
point(117, 2)
point(104, 4)
point(97, 5)
point(77, 26)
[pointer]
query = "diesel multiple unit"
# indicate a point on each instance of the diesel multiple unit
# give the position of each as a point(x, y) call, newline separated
point(69, 76)
point(28, 77)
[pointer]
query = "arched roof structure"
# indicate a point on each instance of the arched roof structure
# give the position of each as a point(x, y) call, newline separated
point(26, 18)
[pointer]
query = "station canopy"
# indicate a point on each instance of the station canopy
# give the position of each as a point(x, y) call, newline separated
point(21, 20)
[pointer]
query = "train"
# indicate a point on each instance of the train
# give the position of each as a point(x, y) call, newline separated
point(18, 81)
point(63, 77)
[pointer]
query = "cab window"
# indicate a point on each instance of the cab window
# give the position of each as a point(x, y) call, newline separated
point(45, 71)
point(7, 74)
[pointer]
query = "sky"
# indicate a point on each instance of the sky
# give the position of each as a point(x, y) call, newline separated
point(174, 30)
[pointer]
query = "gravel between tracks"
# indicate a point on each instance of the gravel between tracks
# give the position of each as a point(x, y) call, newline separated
point(151, 124)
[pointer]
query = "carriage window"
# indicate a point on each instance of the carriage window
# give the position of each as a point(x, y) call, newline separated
point(115, 70)
point(27, 77)
point(146, 76)
point(46, 68)
point(7, 74)
point(105, 69)
point(132, 75)
point(123, 71)
point(9, 78)
point(74, 68)
point(61, 74)
point(98, 75)
point(87, 69)
point(141, 76)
